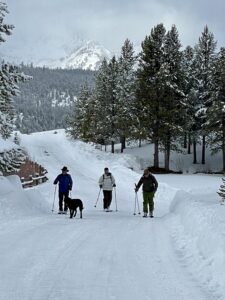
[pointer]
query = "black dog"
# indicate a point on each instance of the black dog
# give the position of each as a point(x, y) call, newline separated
point(73, 204)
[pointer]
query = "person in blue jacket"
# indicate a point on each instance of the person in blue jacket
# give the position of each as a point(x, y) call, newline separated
point(65, 185)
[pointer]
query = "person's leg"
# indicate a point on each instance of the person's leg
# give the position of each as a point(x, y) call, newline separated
point(65, 196)
point(151, 203)
point(60, 201)
point(104, 199)
point(109, 198)
point(145, 203)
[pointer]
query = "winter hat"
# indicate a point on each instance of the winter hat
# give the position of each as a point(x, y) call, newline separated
point(64, 169)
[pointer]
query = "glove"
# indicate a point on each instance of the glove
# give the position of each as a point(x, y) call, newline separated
point(70, 189)
point(100, 186)
point(136, 190)
point(114, 185)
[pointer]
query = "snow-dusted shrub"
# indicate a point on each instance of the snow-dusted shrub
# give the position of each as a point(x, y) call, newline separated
point(11, 160)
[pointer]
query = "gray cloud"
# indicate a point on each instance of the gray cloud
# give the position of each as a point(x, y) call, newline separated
point(45, 24)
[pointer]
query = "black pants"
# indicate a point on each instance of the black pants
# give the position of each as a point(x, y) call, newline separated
point(107, 199)
point(62, 196)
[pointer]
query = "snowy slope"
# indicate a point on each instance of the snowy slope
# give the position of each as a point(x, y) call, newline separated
point(87, 57)
point(177, 255)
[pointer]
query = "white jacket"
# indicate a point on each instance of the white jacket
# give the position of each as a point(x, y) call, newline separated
point(107, 182)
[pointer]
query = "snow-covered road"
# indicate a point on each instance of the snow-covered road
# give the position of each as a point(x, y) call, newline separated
point(104, 256)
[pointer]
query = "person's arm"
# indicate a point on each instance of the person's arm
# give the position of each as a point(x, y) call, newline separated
point(70, 183)
point(56, 180)
point(113, 181)
point(100, 182)
point(139, 184)
point(155, 182)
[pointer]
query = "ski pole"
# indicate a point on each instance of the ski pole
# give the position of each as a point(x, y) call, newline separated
point(115, 198)
point(98, 197)
point(53, 204)
point(136, 203)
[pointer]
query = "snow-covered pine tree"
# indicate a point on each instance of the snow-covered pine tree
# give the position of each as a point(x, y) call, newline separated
point(5, 29)
point(79, 123)
point(172, 108)
point(11, 160)
point(9, 78)
point(106, 103)
point(204, 69)
point(100, 105)
point(187, 65)
point(126, 91)
point(149, 88)
point(216, 112)
point(221, 191)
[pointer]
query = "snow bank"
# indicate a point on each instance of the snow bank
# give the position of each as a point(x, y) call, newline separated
point(198, 230)
point(16, 202)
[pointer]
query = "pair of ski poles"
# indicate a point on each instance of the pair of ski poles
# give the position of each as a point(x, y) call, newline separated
point(114, 195)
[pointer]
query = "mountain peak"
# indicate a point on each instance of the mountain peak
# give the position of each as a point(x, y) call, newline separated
point(88, 55)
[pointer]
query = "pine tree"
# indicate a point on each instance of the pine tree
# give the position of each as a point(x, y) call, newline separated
point(189, 82)
point(204, 68)
point(216, 112)
point(79, 123)
point(149, 88)
point(106, 103)
point(9, 78)
point(172, 108)
point(221, 191)
point(126, 90)
point(5, 29)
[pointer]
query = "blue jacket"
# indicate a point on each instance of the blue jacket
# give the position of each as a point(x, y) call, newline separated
point(65, 182)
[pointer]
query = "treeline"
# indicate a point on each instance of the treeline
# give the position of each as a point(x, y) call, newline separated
point(174, 98)
point(45, 102)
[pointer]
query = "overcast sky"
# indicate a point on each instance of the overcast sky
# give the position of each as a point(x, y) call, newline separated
point(109, 22)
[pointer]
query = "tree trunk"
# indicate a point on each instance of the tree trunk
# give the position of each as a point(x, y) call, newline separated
point(156, 153)
point(123, 143)
point(203, 149)
point(139, 145)
point(185, 140)
point(189, 143)
point(112, 147)
point(167, 153)
point(194, 152)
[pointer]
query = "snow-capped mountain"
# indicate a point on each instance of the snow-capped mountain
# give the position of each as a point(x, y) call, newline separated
point(89, 57)
point(86, 55)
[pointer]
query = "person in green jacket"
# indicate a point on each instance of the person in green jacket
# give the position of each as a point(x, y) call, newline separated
point(149, 186)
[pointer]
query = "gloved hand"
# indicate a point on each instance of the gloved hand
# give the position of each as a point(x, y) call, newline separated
point(136, 190)
point(100, 185)
point(114, 185)
point(70, 189)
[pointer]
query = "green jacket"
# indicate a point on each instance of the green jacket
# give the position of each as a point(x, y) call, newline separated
point(150, 184)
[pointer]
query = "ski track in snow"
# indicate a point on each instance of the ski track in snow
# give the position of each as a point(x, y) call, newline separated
point(104, 256)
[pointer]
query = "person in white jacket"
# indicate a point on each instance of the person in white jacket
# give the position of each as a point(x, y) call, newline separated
point(107, 183)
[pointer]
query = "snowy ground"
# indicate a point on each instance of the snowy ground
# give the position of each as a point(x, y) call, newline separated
point(178, 255)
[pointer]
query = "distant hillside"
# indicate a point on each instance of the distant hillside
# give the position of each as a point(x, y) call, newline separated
point(46, 100)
